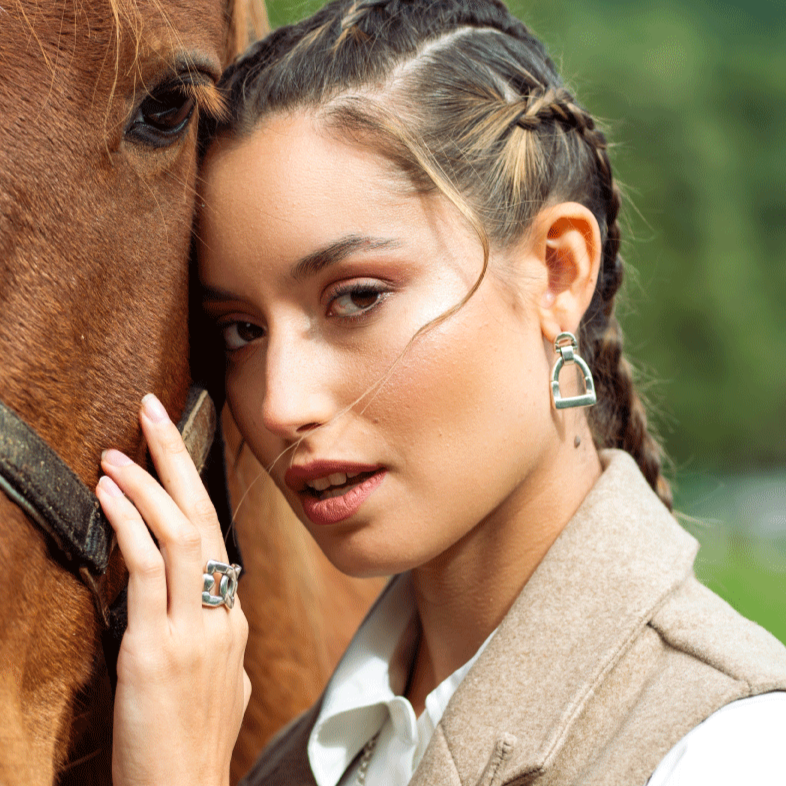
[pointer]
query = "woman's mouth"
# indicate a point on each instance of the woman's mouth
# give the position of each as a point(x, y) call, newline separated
point(331, 493)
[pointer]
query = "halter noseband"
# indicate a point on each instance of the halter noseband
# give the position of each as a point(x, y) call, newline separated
point(36, 479)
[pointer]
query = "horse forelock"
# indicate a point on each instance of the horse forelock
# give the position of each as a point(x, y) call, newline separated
point(246, 21)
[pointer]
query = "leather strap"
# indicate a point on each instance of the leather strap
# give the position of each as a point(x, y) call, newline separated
point(36, 479)
point(197, 426)
point(50, 493)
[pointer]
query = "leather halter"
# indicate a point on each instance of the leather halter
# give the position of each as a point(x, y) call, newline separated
point(36, 479)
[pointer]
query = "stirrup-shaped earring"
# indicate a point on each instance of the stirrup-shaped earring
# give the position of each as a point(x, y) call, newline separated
point(565, 345)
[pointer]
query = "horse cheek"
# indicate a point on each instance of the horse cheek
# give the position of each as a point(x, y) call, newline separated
point(47, 628)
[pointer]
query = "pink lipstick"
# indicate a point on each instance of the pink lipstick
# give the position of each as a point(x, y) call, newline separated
point(332, 491)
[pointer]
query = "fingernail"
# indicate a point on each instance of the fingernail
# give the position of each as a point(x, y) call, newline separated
point(154, 409)
point(109, 486)
point(115, 458)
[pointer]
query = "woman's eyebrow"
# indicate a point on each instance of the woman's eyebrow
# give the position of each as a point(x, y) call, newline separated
point(318, 260)
point(215, 294)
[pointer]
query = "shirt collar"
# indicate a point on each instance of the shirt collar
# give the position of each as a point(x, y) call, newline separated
point(370, 674)
point(617, 560)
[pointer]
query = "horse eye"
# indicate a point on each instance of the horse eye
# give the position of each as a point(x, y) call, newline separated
point(162, 117)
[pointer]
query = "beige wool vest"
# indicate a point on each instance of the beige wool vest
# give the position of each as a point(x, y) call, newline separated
point(611, 653)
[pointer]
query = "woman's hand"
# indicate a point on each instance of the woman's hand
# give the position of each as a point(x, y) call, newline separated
point(181, 686)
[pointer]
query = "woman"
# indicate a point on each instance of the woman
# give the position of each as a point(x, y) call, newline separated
point(406, 220)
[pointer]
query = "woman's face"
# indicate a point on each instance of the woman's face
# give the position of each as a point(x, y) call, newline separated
point(319, 269)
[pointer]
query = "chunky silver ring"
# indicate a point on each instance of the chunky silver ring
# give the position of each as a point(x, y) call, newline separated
point(226, 587)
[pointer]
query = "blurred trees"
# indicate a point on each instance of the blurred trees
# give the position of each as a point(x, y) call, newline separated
point(694, 96)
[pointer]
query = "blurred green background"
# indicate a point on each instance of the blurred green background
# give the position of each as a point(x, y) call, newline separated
point(693, 95)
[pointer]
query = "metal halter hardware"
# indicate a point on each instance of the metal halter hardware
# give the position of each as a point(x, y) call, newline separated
point(566, 346)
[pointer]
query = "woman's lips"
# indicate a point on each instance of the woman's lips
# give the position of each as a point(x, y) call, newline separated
point(332, 509)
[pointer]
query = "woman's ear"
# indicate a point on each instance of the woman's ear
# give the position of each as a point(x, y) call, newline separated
point(566, 240)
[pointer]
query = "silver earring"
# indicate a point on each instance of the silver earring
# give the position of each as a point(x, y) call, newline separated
point(566, 346)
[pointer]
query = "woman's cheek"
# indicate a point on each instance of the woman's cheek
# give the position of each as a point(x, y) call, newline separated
point(245, 396)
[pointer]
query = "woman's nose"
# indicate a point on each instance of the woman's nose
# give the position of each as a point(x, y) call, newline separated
point(297, 396)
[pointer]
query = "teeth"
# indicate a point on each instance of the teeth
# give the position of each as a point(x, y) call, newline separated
point(334, 493)
point(336, 479)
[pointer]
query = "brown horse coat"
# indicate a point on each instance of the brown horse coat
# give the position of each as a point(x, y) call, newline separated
point(94, 239)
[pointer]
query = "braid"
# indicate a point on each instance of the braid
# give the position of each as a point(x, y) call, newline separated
point(619, 420)
point(354, 14)
point(350, 43)
point(553, 104)
point(462, 98)
point(359, 9)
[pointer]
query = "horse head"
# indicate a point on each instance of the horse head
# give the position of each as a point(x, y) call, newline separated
point(99, 103)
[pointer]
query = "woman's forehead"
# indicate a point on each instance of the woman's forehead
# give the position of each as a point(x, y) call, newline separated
point(288, 157)
point(298, 188)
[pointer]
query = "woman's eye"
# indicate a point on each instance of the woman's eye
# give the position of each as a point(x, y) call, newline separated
point(355, 302)
point(238, 334)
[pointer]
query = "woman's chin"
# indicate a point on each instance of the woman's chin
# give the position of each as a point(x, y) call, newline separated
point(354, 556)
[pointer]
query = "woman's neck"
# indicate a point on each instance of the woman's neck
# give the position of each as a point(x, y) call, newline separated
point(463, 595)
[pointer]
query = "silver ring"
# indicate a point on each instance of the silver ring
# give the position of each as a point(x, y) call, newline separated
point(226, 587)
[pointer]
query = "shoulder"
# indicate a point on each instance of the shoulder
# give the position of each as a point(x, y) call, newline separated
point(693, 620)
point(740, 743)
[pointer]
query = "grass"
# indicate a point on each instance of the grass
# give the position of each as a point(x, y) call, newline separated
point(756, 590)
point(740, 522)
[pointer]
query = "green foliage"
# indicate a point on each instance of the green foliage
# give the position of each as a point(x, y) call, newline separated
point(756, 591)
point(695, 99)
point(740, 522)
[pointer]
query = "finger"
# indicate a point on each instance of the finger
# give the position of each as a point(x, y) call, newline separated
point(179, 475)
point(246, 690)
point(147, 590)
point(179, 540)
point(242, 630)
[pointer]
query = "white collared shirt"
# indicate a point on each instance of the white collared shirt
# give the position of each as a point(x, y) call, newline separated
point(363, 698)
point(741, 743)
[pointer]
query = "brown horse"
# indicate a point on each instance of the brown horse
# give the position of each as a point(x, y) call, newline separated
point(98, 107)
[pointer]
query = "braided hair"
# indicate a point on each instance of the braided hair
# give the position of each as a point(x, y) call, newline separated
point(462, 98)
